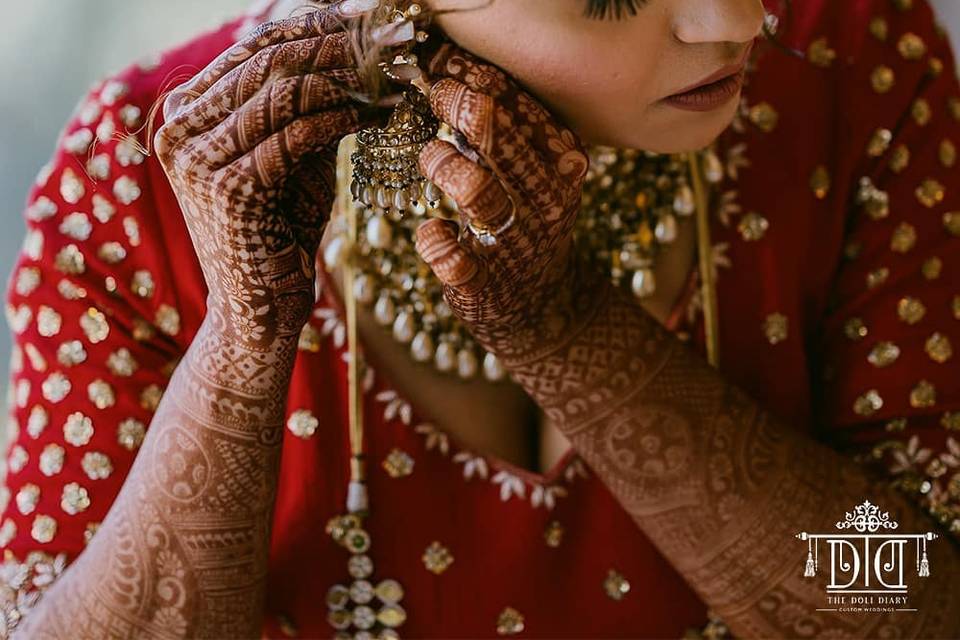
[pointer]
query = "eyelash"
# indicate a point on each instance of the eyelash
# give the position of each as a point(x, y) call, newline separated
point(613, 9)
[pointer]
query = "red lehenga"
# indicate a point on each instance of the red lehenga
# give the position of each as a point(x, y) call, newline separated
point(838, 255)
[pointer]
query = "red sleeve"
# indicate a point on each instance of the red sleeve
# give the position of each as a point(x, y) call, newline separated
point(96, 334)
point(892, 372)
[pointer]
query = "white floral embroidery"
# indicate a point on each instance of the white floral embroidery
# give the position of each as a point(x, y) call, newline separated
point(546, 495)
point(435, 438)
point(510, 485)
point(472, 465)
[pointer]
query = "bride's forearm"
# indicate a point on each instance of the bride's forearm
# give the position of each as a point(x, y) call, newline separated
point(183, 550)
point(720, 485)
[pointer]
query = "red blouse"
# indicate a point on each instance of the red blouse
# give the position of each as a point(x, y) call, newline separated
point(837, 247)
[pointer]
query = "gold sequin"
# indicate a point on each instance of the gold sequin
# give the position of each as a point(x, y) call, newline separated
point(854, 329)
point(930, 193)
point(96, 465)
point(51, 459)
point(615, 585)
point(71, 188)
point(820, 182)
point(126, 190)
point(900, 158)
point(70, 291)
point(41, 209)
point(896, 425)
point(130, 433)
point(302, 423)
point(398, 463)
point(877, 277)
point(879, 142)
point(921, 112)
point(121, 362)
point(955, 307)
point(37, 361)
point(28, 279)
point(18, 459)
point(883, 354)
point(882, 79)
point(764, 116)
point(775, 328)
point(8, 532)
point(904, 238)
point(142, 283)
point(953, 104)
point(951, 421)
point(150, 397)
point(103, 209)
point(55, 387)
point(111, 252)
point(938, 347)
point(820, 54)
point(911, 46)
point(76, 225)
point(74, 498)
point(903, 5)
point(78, 429)
point(879, 28)
point(69, 260)
point(43, 529)
point(948, 154)
point(38, 421)
point(923, 395)
point(753, 226)
point(142, 330)
point(94, 325)
point(509, 622)
point(875, 202)
point(951, 222)
point(167, 320)
point(437, 558)
point(553, 534)
point(931, 268)
point(868, 403)
point(935, 66)
point(48, 321)
point(911, 310)
point(101, 394)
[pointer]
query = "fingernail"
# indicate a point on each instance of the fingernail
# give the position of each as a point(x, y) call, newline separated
point(356, 7)
point(403, 72)
point(393, 33)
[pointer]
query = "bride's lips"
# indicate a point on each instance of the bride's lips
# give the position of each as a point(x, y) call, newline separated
point(713, 91)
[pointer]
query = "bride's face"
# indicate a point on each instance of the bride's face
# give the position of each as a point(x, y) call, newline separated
point(610, 79)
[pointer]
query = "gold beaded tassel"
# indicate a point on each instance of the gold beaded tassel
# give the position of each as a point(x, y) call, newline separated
point(705, 252)
point(351, 608)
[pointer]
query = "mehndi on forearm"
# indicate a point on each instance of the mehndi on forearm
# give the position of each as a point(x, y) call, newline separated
point(183, 550)
point(719, 485)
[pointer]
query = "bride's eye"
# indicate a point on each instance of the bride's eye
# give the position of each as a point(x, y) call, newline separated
point(613, 9)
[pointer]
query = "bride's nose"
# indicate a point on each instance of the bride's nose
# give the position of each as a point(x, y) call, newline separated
point(701, 21)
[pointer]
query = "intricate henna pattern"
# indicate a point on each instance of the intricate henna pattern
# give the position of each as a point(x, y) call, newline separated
point(249, 146)
point(717, 483)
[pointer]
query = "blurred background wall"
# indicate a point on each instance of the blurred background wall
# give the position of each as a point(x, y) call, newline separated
point(52, 51)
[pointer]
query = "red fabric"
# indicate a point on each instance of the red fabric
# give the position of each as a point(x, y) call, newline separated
point(826, 117)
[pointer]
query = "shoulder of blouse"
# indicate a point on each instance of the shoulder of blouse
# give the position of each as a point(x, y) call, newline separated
point(103, 299)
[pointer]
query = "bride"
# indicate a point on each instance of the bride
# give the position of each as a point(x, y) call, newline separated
point(604, 303)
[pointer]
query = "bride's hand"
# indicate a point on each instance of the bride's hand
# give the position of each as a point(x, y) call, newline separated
point(520, 175)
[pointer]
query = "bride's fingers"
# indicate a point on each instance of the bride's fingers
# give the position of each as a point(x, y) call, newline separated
point(452, 263)
point(299, 27)
point(478, 193)
point(490, 128)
